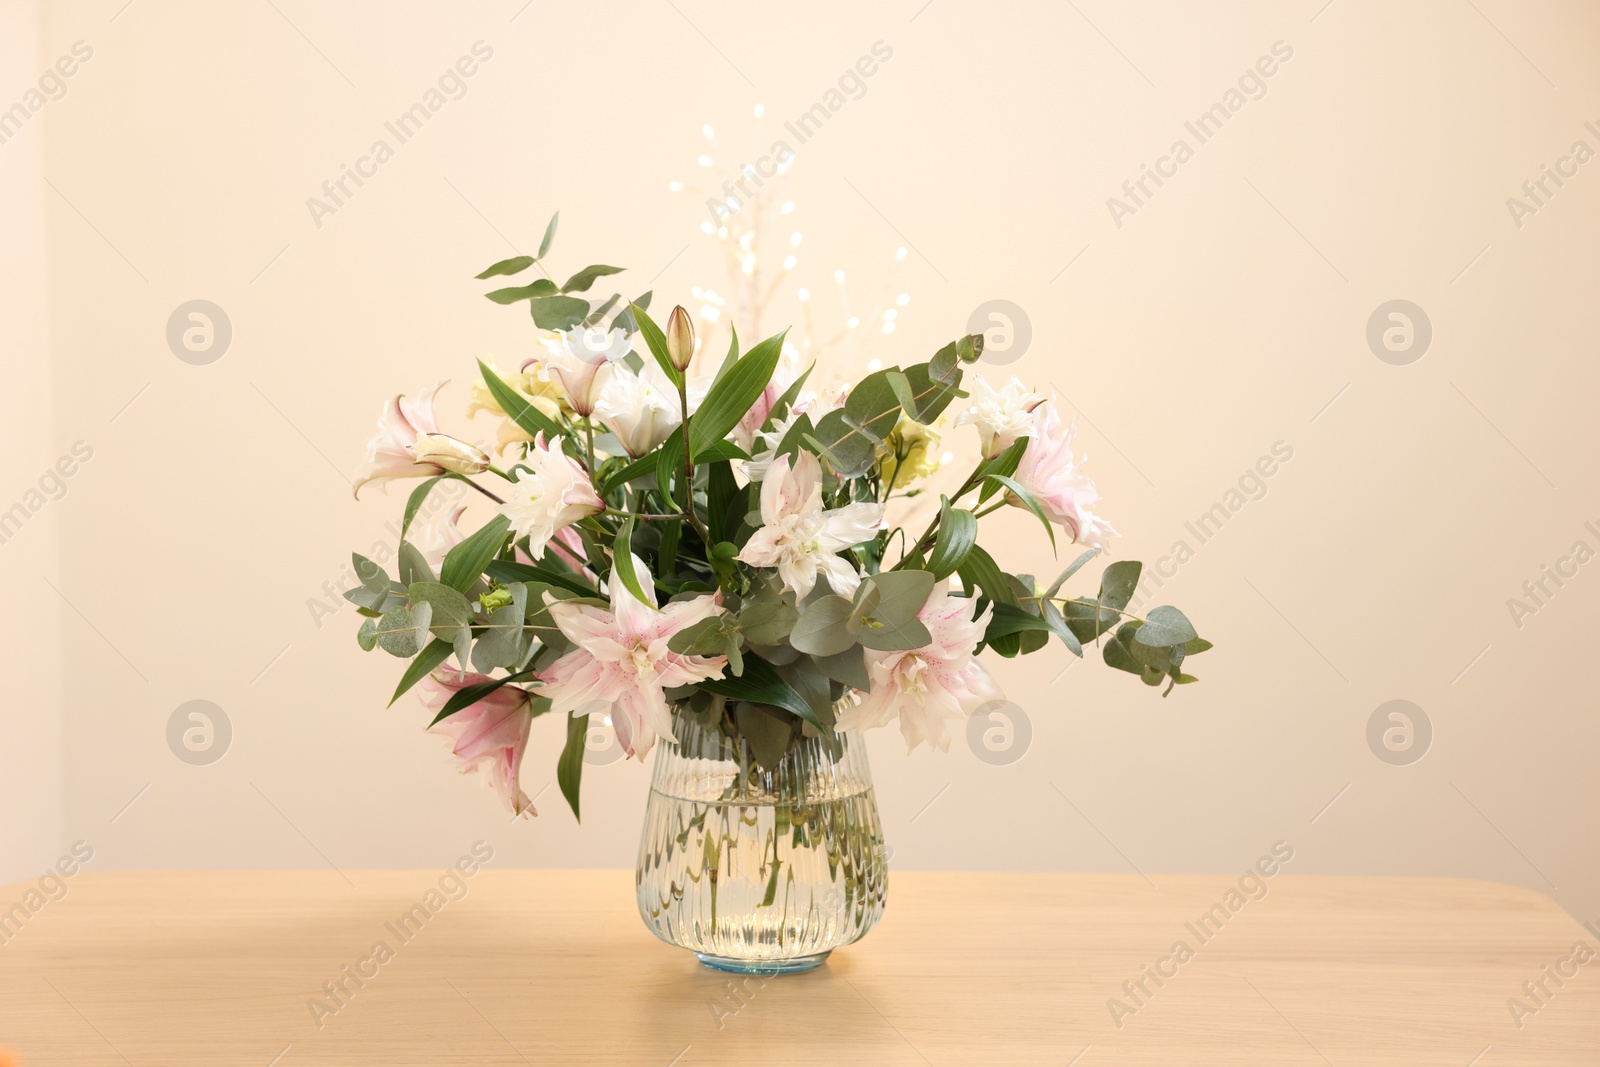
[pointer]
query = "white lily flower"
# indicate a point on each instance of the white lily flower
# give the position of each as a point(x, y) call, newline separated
point(548, 492)
point(1000, 416)
point(798, 537)
point(641, 409)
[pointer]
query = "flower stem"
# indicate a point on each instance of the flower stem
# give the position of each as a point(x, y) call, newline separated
point(492, 496)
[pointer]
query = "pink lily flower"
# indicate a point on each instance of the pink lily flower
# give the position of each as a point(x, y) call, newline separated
point(488, 737)
point(622, 663)
point(932, 688)
point(390, 453)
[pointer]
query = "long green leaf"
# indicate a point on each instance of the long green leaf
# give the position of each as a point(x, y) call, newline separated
point(514, 265)
point(549, 235)
point(536, 288)
point(656, 341)
point(733, 395)
point(581, 281)
point(673, 448)
point(464, 563)
point(524, 414)
point(506, 571)
point(980, 571)
point(958, 533)
point(1072, 568)
point(463, 698)
point(569, 767)
point(435, 653)
point(760, 684)
point(1029, 501)
point(414, 503)
point(622, 562)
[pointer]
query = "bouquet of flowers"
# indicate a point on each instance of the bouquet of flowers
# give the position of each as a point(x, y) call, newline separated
point(675, 535)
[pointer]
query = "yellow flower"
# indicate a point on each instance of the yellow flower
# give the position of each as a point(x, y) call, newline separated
point(532, 386)
point(918, 448)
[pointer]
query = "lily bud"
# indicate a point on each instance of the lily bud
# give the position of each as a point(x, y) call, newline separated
point(445, 451)
point(680, 338)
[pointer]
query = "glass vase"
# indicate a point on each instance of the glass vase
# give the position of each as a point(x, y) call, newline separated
point(760, 870)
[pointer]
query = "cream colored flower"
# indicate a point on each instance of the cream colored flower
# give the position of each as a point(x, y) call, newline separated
point(918, 444)
point(1001, 416)
point(534, 386)
point(548, 492)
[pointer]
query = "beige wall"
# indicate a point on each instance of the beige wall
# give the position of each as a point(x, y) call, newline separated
point(30, 758)
point(1227, 314)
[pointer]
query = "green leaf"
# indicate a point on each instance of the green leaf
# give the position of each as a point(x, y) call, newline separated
point(581, 281)
point(569, 767)
point(848, 667)
point(625, 320)
point(822, 628)
point(1087, 618)
point(1165, 626)
point(373, 578)
point(464, 563)
point(1072, 568)
point(958, 533)
point(766, 617)
point(504, 642)
point(1010, 619)
point(558, 312)
point(761, 684)
point(886, 636)
point(733, 395)
point(1029, 501)
point(367, 635)
point(514, 265)
point(413, 567)
point(414, 502)
point(403, 631)
point(466, 697)
point(721, 490)
point(435, 653)
point(672, 448)
point(452, 616)
point(549, 235)
point(873, 405)
point(1118, 583)
point(732, 357)
point(844, 444)
point(516, 407)
point(656, 341)
point(1005, 464)
point(901, 594)
point(1117, 651)
point(1058, 625)
point(768, 733)
point(622, 563)
point(507, 571)
point(979, 571)
point(924, 396)
point(539, 287)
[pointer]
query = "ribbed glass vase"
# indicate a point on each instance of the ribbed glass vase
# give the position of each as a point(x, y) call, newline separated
point(760, 871)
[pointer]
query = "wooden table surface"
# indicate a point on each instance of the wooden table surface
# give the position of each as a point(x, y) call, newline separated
point(554, 967)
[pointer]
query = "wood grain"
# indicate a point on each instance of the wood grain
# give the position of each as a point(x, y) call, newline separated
point(553, 967)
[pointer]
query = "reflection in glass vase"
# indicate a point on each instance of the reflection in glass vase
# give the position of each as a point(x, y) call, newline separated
point(755, 870)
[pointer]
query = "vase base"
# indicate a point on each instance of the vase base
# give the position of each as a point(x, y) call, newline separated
point(762, 967)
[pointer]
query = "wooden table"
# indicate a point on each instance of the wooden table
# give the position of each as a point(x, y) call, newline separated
point(553, 967)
